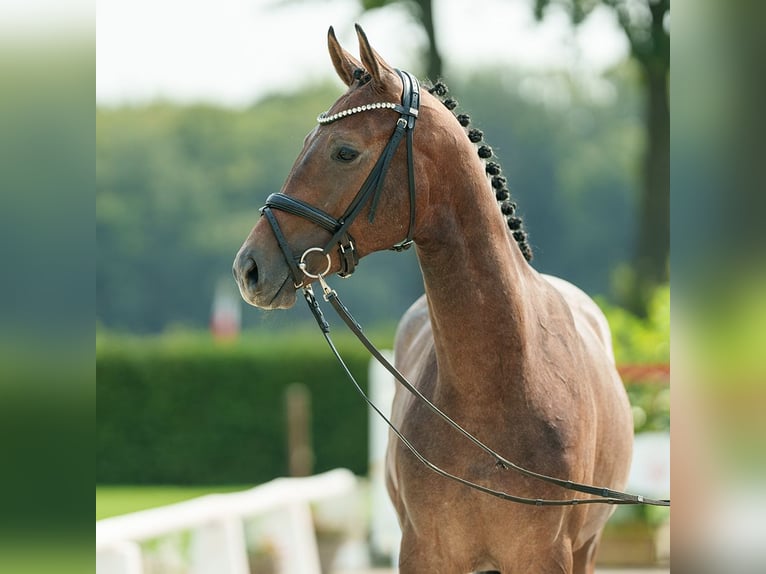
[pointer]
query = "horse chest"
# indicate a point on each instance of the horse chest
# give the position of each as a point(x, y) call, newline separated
point(536, 440)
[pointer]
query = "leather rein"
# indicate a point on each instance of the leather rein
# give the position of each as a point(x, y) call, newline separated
point(338, 228)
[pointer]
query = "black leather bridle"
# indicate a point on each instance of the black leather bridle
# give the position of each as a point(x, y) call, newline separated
point(369, 192)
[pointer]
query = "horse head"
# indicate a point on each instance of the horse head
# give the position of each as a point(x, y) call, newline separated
point(351, 190)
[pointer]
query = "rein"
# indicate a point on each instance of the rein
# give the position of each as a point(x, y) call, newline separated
point(607, 495)
point(370, 191)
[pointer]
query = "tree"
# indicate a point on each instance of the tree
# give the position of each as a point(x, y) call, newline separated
point(423, 12)
point(645, 23)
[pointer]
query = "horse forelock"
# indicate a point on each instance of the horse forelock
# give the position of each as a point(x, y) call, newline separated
point(361, 76)
point(493, 169)
point(362, 87)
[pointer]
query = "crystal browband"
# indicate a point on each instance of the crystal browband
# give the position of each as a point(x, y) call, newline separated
point(323, 118)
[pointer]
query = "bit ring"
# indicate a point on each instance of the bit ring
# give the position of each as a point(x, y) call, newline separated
point(302, 265)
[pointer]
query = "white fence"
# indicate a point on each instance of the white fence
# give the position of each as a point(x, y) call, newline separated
point(218, 544)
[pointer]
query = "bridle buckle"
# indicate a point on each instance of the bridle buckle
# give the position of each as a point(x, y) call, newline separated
point(403, 246)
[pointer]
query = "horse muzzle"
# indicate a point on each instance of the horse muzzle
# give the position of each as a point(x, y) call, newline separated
point(260, 284)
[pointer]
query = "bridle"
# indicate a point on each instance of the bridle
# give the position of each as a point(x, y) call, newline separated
point(370, 191)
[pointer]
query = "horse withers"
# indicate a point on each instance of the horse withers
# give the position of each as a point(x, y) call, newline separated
point(521, 360)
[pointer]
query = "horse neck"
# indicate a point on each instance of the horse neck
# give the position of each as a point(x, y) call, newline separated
point(478, 285)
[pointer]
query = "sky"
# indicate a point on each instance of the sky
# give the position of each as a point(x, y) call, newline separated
point(232, 52)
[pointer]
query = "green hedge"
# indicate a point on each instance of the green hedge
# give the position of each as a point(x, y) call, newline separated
point(181, 408)
point(188, 410)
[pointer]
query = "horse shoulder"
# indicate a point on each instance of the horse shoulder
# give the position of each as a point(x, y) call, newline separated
point(415, 359)
point(413, 336)
point(588, 317)
point(613, 416)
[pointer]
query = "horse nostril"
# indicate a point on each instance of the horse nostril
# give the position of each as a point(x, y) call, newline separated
point(251, 272)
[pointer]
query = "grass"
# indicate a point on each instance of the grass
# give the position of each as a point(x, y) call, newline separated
point(116, 500)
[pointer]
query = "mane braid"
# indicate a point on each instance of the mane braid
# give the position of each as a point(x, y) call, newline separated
point(493, 169)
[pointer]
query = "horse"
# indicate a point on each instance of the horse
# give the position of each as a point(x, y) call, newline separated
point(522, 360)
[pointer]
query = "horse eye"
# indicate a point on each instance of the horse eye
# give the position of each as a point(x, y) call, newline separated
point(346, 154)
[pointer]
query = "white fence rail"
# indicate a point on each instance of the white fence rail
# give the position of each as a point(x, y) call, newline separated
point(218, 542)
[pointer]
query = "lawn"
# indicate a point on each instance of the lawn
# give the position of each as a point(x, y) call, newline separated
point(115, 500)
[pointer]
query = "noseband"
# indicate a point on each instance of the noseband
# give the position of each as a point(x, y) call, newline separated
point(369, 192)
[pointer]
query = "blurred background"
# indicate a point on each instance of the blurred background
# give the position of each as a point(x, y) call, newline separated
point(48, 300)
point(195, 127)
point(201, 109)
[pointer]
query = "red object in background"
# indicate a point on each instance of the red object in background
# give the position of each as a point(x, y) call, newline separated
point(226, 315)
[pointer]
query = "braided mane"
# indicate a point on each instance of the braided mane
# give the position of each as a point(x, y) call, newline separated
point(494, 171)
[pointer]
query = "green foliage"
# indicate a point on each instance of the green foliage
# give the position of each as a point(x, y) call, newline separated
point(641, 340)
point(642, 21)
point(650, 402)
point(373, 4)
point(571, 163)
point(178, 190)
point(181, 409)
point(115, 500)
point(728, 338)
point(724, 365)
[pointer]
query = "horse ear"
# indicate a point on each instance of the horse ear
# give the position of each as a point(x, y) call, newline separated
point(372, 61)
point(344, 63)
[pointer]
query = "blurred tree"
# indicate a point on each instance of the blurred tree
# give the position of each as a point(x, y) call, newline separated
point(423, 12)
point(571, 165)
point(646, 26)
point(178, 189)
